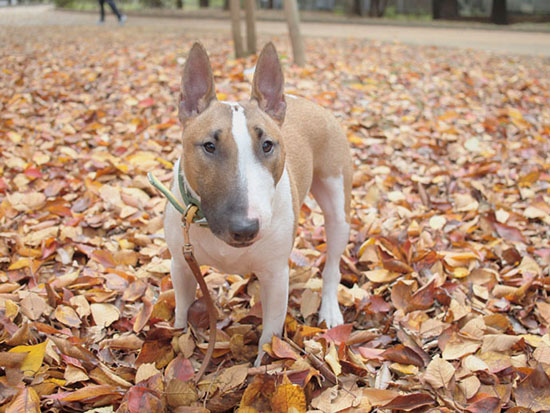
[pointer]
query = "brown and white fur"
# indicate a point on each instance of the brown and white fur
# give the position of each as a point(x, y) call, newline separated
point(251, 164)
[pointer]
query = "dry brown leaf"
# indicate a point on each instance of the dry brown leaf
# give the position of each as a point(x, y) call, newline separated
point(26, 401)
point(439, 373)
point(534, 391)
point(104, 314)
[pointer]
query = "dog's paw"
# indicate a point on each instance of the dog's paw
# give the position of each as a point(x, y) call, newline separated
point(330, 313)
point(258, 361)
point(181, 322)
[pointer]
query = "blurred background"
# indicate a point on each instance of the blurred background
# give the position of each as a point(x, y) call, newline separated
point(495, 11)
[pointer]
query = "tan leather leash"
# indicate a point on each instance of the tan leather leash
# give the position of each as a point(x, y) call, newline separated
point(191, 213)
point(187, 220)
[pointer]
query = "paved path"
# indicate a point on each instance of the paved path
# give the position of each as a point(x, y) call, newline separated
point(500, 41)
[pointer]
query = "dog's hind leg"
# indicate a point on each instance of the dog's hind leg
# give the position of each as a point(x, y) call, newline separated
point(333, 198)
point(185, 288)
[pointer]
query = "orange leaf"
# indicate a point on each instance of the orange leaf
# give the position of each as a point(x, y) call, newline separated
point(283, 350)
point(104, 257)
point(89, 392)
point(143, 316)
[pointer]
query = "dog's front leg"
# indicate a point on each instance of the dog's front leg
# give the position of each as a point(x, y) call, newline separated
point(274, 293)
point(185, 287)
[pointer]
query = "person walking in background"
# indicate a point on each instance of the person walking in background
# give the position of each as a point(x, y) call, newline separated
point(121, 17)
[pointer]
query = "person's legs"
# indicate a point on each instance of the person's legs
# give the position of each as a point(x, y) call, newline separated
point(101, 11)
point(112, 4)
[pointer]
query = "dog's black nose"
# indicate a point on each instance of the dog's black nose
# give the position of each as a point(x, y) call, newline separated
point(244, 230)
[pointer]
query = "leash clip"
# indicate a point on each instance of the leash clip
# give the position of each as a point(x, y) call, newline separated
point(186, 220)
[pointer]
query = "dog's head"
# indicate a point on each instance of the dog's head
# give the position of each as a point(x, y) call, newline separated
point(233, 153)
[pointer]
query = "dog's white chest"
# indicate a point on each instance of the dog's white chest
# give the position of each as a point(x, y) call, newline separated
point(216, 253)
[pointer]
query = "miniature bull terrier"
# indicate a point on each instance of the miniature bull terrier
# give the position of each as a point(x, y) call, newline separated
point(250, 165)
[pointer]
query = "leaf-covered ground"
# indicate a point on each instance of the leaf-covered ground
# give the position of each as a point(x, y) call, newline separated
point(446, 279)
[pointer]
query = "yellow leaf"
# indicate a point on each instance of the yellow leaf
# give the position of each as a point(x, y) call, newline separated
point(67, 316)
point(12, 309)
point(139, 159)
point(21, 263)
point(381, 276)
point(288, 397)
point(34, 358)
point(166, 163)
point(14, 136)
point(59, 382)
point(354, 139)
point(121, 167)
point(532, 339)
point(460, 272)
point(364, 245)
point(407, 369)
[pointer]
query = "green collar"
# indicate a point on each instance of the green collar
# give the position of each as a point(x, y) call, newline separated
point(188, 199)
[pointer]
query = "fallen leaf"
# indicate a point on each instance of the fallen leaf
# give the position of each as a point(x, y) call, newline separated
point(35, 356)
point(534, 391)
point(26, 401)
point(67, 316)
point(104, 314)
point(439, 373)
point(288, 397)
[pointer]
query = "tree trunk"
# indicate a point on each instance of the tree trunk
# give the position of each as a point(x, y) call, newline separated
point(293, 22)
point(226, 4)
point(357, 7)
point(179, 4)
point(156, 4)
point(270, 4)
point(235, 8)
point(499, 12)
point(444, 9)
point(436, 13)
point(377, 8)
point(203, 4)
point(250, 11)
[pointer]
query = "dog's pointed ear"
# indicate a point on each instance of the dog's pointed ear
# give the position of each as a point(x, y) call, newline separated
point(268, 84)
point(197, 84)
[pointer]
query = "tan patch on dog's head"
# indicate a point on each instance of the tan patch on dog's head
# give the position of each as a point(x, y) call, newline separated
point(263, 128)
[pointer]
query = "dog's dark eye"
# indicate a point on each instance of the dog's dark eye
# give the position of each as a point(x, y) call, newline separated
point(209, 147)
point(267, 146)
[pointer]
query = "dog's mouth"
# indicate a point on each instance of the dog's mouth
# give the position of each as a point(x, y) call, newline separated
point(242, 244)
